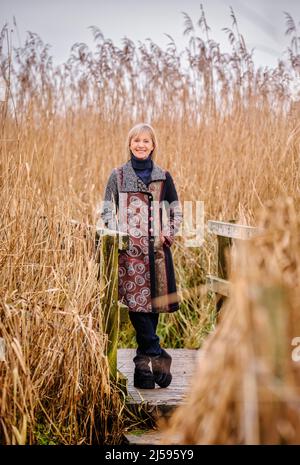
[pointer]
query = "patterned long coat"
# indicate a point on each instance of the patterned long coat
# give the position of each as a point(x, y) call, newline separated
point(146, 271)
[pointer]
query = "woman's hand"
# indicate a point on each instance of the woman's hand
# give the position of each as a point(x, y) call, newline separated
point(162, 238)
point(166, 240)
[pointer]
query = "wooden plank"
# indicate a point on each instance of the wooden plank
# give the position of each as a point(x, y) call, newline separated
point(150, 437)
point(234, 231)
point(160, 400)
point(139, 437)
point(218, 285)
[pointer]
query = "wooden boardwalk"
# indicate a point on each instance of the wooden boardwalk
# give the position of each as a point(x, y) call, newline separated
point(159, 401)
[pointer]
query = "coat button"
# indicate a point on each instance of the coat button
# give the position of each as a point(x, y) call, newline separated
point(151, 208)
point(151, 218)
point(151, 230)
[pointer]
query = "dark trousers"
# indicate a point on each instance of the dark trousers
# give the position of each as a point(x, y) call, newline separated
point(145, 325)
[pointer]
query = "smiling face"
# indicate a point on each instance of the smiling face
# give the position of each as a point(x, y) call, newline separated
point(141, 145)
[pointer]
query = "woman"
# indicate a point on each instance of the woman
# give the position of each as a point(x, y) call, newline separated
point(135, 192)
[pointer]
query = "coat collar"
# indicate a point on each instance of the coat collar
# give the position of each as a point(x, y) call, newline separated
point(132, 183)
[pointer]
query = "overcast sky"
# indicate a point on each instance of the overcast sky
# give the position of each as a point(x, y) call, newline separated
point(61, 23)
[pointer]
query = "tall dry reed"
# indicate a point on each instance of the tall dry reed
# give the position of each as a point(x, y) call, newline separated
point(229, 134)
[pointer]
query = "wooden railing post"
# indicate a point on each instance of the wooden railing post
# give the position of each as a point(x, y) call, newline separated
point(226, 233)
point(110, 243)
point(224, 243)
point(109, 301)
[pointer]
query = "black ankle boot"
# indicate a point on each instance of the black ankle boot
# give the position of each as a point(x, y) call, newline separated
point(143, 377)
point(161, 369)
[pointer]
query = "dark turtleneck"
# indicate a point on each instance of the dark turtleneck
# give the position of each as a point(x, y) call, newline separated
point(142, 168)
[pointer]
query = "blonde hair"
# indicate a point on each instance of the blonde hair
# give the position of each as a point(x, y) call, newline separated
point(137, 129)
